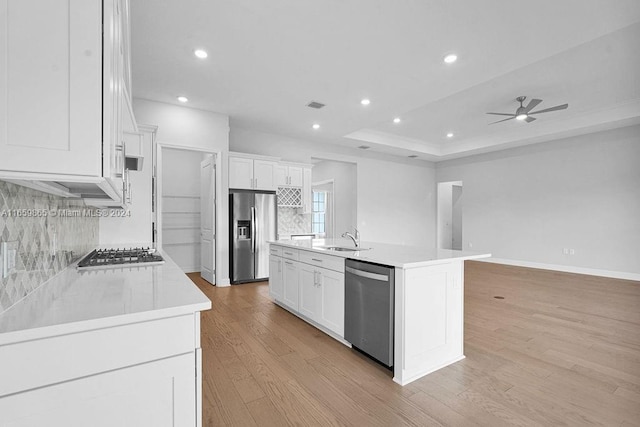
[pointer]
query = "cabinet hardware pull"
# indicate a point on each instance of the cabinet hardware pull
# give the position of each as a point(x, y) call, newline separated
point(316, 260)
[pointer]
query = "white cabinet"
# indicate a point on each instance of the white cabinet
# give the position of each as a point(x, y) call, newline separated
point(146, 373)
point(251, 174)
point(312, 286)
point(276, 283)
point(322, 297)
point(309, 298)
point(331, 296)
point(151, 394)
point(288, 175)
point(50, 87)
point(65, 108)
point(291, 280)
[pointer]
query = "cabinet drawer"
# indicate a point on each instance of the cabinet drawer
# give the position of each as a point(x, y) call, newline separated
point(59, 358)
point(275, 250)
point(331, 262)
point(290, 253)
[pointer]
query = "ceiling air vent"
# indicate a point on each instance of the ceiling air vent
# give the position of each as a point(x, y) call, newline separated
point(413, 156)
point(316, 105)
point(364, 147)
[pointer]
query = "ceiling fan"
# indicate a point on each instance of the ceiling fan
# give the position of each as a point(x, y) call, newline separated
point(524, 113)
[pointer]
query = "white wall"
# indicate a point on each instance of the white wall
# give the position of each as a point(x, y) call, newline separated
point(202, 130)
point(135, 228)
point(396, 197)
point(530, 203)
point(345, 201)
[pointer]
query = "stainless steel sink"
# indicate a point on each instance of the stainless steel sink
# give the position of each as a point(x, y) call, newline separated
point(342, 248)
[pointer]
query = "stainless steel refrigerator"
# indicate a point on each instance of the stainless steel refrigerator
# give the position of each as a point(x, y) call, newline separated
point(253, 222)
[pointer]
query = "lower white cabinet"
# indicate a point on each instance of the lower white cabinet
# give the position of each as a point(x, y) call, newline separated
point(152, 394)
point(291, 282)
point(331, 296)
point(146, 373)
point(276, 283)
point(308, 288)
point(322, 297)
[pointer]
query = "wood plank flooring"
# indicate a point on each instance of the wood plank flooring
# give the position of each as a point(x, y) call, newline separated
point(559, 349)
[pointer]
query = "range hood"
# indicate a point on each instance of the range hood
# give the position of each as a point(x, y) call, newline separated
point(96, 192)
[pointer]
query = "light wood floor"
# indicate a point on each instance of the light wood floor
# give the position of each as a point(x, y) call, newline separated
point(559, 349)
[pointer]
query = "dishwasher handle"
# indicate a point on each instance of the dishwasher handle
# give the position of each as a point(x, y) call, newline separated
point(367, 274)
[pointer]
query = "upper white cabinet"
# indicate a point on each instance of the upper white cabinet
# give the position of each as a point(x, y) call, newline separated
point(50, 86)
point(251, 173)
point(65, 88)
point(288, 175)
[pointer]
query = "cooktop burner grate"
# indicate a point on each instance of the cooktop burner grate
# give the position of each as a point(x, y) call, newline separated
point(109, 257)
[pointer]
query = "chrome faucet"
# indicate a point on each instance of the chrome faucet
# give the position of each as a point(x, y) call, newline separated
point(356, 238)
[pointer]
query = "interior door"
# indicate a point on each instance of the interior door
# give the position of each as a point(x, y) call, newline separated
point(207, 219)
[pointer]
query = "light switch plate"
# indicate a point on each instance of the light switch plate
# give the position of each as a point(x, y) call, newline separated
point(8, 255)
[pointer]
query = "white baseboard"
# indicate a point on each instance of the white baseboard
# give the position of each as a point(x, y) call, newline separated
point(566, 268)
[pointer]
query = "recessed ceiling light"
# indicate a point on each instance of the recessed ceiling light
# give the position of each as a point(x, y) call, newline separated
point(183, 99)
point(316, 126)
point(450, 135)
point(451, 58)
point(200, 53)
point(365, 101)
point(397, 120)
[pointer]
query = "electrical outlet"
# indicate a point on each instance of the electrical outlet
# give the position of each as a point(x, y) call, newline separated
point(572, 251)
point(565, 251)
point(8, 255)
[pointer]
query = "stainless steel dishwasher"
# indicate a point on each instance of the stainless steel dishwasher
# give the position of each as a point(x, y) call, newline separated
point(368, 310)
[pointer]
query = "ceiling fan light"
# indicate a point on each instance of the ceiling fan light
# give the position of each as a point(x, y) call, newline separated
point(521, 116)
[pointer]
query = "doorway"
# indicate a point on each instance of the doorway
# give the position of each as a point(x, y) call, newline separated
point(449, 215)
point(186, 211)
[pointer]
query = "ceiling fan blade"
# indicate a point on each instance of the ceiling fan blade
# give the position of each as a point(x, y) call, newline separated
point(556, 108)
point(529, 119)
point(502, 114)
point(532, 104)
point(504, 120)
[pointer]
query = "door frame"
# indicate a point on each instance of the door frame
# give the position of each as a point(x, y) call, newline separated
point(443, 204)
point(157, 200)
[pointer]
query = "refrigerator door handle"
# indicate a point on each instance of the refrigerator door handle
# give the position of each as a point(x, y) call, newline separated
point(253, 229)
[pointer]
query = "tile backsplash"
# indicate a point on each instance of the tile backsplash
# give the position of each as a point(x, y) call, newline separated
point(291, 222)
point(51, 232)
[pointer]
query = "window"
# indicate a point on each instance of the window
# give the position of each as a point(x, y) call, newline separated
point(318, 213)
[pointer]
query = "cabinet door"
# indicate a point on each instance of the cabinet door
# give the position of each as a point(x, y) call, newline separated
point(276, 284)
point(160, 393)
point(51, 86)
point(291, 280)
point(280, 175)
point(331, 296)
point(308, 296)
point(263, 171)
point(240, 173)
point(295, 176)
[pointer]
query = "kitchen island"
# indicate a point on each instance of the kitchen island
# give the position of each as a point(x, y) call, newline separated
point(306, 277)
point(110, 346)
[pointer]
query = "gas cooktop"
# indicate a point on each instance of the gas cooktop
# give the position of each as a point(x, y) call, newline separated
point(119, 257)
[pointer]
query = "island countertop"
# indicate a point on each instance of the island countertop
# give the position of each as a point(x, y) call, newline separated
point(399, 256)
point(76, 300)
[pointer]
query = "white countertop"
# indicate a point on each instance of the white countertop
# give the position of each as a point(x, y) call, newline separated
point(399, 256)
point(77, 300)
